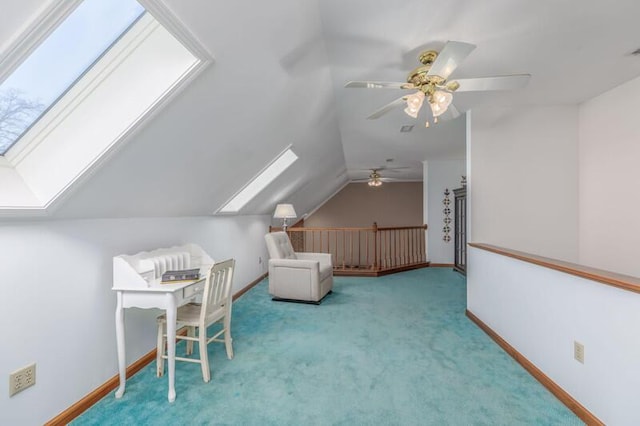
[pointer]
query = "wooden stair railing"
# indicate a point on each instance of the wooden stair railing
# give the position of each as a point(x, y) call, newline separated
point(370, 251)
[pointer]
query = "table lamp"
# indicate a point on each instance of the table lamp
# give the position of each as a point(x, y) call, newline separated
point(284, 212)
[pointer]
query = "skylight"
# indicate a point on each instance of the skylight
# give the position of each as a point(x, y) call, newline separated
point(59, 61)
point(260, 182)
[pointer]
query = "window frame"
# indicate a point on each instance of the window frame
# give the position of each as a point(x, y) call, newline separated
point(234, 210)
point(42, 36)
point(27, 40)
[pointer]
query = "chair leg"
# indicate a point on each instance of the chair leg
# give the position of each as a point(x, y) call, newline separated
point(191, 332)
point(160, 350)
point(204, 356)
point(228, 341)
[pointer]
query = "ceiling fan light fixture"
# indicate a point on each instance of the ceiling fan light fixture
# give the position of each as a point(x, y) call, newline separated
point(439, 102)
point(374, 179)
point(414, 103)
point(411, 112)
point(374, 182)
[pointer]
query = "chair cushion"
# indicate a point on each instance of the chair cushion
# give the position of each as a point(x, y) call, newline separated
point(279, 246)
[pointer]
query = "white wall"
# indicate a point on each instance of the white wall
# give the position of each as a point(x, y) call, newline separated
point(57, 307)
point(609, 180)
point(540, 312)
point(440, 174)
point(525, 179)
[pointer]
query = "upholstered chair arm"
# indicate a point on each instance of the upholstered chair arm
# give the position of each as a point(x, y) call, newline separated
point(323, 258)
point(313, 265)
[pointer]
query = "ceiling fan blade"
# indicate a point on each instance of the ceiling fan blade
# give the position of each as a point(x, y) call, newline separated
point(506, 82)
point(453, 53)
point(378, 85)
point(452, 112)
point(385, 109)
point(379, 169)
point(383, 179)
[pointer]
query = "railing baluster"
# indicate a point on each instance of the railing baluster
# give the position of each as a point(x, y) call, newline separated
point(366, 242)
point(359, 249)
point(410, 236)
point(351, 249)
point(375, 246)
point(384, 248)
point(344, 248)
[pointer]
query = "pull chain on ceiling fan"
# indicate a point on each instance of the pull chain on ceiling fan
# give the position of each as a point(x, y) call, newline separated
point(431, 79)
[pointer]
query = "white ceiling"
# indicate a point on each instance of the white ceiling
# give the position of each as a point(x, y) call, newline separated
point(277, 79)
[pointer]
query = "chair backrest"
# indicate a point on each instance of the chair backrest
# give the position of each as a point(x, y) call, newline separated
point(279, 246)
point(217, 289)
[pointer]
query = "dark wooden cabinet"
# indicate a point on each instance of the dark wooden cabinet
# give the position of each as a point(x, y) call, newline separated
point(460, 230)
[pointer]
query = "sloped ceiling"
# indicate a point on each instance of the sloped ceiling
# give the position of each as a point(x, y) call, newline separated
point(277, 80)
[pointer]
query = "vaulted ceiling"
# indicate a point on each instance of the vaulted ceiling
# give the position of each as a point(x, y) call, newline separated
point(278, 76)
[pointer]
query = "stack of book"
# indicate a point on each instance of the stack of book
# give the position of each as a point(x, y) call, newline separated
point(182, 275)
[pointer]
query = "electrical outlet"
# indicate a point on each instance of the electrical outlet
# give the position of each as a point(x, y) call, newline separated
point(21, 379)
point(578, 351)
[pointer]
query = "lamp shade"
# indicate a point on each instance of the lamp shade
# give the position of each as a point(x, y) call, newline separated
point(284, 211)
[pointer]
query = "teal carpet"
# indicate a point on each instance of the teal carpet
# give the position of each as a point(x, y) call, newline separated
point(394, 350)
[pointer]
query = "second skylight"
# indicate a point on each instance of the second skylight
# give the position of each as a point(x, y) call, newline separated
point(260, 182)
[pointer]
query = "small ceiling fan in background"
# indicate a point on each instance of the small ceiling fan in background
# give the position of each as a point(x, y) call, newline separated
point(376, 179)
point(430, 82)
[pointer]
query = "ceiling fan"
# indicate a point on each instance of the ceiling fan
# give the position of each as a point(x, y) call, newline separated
point(430, 82)
point(375, 179)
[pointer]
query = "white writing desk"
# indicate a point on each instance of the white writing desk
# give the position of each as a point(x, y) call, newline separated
point(164, 296)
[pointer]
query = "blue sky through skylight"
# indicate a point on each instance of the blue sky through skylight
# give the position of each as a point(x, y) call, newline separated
point(59, 61)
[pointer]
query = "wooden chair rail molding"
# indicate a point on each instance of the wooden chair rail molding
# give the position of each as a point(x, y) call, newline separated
point(621, 281)
point(365, 251)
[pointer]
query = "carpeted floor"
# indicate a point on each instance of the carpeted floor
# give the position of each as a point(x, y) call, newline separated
point(394, 350)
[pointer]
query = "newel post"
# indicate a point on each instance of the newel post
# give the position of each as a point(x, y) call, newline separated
point(375, 246)
point(424, 242)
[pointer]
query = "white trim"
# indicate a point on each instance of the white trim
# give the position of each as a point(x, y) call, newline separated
point(30, 37)
point(142, 30)
point(253, 179)
point(21, 212)
point(165, 16)
point(128, 134)
point(469, 212)
point(81, 90)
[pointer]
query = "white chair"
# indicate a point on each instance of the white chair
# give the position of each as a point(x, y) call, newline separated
point(215, 307)
point(297, 277)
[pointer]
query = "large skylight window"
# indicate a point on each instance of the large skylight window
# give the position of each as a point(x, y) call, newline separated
point(59, 61)
point(260, 182)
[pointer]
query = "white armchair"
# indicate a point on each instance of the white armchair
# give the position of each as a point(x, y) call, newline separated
point(297, 277)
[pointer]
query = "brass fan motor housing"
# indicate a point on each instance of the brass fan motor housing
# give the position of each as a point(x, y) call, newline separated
point(419, 78)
